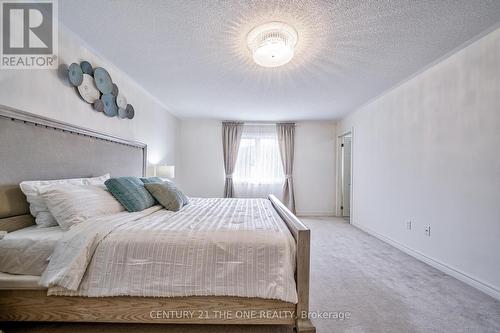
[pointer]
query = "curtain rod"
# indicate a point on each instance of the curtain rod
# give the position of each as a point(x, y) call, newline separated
point(267, 123)
point(258, 123)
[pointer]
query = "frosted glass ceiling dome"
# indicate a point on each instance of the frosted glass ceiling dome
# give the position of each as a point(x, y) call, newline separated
point(272, 44)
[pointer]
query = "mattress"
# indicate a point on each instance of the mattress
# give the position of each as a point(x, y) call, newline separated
point(212, 247)
point(19, 282)
point(27, 251)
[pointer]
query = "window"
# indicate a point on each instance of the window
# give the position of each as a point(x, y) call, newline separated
point(258, 171)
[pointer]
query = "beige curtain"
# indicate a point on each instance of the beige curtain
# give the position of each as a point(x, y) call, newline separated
point(231, 137)
point(286, 140)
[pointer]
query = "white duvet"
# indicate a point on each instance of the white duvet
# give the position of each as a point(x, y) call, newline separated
point(215, 247)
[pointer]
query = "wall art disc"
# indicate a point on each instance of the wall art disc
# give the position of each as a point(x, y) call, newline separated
point(130, 111)
point(98, 106)
point(122, 113)
point(75, 74)
point(87, 68)
point(110, 107)
point(121, 101)
point(88, 90)
point(103, 80)
point(114, 90)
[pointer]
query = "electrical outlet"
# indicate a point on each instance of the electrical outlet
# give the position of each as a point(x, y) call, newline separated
point(427, 231)
point(408, 225)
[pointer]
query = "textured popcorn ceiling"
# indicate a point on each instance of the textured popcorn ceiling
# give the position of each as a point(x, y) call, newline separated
point(191, 54)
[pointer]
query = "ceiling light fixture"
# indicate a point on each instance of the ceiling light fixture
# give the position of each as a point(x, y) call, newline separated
point(272, 44)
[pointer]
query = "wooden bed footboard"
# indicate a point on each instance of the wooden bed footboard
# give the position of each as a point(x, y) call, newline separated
point(302, 236)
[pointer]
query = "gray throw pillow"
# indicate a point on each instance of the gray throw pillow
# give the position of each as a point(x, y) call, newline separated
point(167, 194)
point(130, 192)
point(151, 180)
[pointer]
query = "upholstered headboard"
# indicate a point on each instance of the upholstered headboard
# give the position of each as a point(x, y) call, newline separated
point(38, 148)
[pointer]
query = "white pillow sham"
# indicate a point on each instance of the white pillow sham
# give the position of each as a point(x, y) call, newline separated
point(71, 204)
point(38, 208)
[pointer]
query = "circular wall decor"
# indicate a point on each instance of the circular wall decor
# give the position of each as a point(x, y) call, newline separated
point(87, 68)
point(121, 101)
point(96, 87)
point(75, 74)
point(122, 113)
point(130, 111)
point(98, 106)
point(110, 107)
point(88, 91)
point(103, 80)
point(114, 90)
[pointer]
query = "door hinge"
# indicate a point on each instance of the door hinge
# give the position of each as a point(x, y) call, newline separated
point(341, 207)
point(341, 145)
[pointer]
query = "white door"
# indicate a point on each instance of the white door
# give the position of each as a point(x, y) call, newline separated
point(346, 176)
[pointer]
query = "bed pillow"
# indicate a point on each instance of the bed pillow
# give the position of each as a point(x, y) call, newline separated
point(152, 180)
point(38, 208)
point(185, 199)
point(71, 204)
point(167, 194)
point(130, 191)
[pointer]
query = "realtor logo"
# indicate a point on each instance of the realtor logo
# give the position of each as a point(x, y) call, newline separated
point(29, 34)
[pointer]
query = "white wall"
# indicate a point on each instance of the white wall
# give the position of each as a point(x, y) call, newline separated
point(429, 151)
point(48, 93)
point(200, 167)
point(201, 170)
point(315, 168)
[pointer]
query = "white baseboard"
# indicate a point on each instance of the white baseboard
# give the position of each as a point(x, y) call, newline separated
point(315, 214)
point(482, 286)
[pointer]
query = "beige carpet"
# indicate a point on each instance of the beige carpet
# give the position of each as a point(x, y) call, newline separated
point(382, 288)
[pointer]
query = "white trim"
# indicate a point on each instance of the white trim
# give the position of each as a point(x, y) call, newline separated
point(315, 214)
point(104, 59)
point(16, 114)
point(433, 63)
point(338, 176)
point(459, 275)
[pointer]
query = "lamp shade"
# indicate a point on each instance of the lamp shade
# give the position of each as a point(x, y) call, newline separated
point(166, 171)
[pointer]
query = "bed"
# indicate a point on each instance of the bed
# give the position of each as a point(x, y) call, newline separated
point(34, 147)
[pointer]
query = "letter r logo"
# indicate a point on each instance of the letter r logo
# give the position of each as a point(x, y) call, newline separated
point(27, 27)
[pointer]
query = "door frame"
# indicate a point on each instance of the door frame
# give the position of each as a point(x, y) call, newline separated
point(338, 211)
